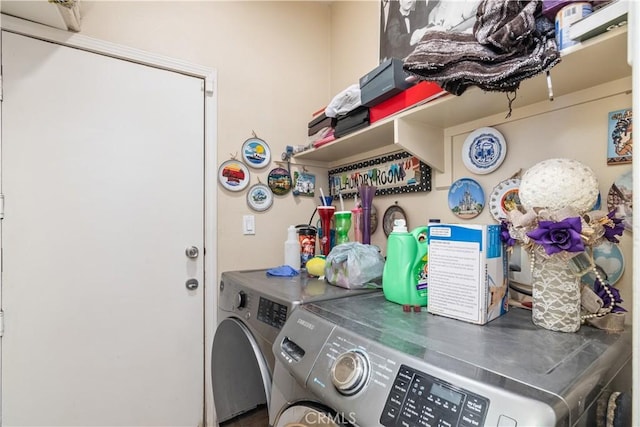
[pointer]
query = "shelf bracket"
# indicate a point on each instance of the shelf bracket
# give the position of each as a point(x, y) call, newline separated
point(421, 140)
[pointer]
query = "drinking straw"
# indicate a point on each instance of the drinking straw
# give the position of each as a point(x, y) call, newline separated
point(324, 203)
point(356, 201)
point(341, 202)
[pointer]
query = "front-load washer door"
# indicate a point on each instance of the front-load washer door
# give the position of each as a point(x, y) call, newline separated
point(239, 372)
point(311, 414)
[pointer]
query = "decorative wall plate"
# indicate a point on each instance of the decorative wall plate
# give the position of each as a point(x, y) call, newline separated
point(279, 181)
point(466, 198)
point(256, 153)
point(233, 175)
point(620, 197)
point(504, 198)
point(484, 150)
point(610, 261)
point(373, 219)
point(259, 197)
point(392, 213)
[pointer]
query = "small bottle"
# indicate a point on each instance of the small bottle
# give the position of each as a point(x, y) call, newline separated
point(292, 249)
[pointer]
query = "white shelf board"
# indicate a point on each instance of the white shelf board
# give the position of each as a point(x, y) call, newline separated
point(588, 64)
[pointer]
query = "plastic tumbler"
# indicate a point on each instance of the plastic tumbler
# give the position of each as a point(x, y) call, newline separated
point(356, 220)
point(326, 213)
point(343, 224)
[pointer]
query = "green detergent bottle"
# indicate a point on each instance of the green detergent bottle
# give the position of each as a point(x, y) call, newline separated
point(404, 277)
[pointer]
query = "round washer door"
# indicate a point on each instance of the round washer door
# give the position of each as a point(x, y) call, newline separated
point(309, 414)
point(239, 373)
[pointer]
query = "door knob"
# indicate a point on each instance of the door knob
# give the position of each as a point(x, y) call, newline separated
point(192, 284)
point(192, 252)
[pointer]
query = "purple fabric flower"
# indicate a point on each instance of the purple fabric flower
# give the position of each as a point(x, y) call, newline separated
point(559, 236)
point(611, 231)
point(505, 236)
point(599, 289)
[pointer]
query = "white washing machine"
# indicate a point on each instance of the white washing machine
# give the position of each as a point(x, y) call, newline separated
point(365, 362)
point(252, 308)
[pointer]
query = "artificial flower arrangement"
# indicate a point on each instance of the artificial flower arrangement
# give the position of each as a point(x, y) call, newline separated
point(559, 231)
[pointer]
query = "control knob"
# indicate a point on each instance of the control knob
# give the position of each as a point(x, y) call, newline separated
point(350, 372)
point(241, 300)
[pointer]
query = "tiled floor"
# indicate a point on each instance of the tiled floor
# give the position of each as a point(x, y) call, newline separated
point(259, 417)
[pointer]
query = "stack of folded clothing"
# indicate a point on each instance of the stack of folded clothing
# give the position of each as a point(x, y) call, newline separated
point(511, 41)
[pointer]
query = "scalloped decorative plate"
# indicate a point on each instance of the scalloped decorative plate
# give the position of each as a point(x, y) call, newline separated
point(504, 198)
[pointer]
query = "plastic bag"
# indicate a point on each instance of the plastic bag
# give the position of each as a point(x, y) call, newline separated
point(353, 265)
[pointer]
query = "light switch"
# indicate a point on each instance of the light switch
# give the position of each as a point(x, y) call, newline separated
point(248, 224)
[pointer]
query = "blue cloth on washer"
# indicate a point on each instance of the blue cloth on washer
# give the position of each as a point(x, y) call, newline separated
point(282, 271)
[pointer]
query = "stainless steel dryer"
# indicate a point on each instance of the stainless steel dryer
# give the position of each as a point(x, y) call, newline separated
point(252, 308)
point(364, 362)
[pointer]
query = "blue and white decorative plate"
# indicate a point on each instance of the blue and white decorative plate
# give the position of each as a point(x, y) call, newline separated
point(484, 150)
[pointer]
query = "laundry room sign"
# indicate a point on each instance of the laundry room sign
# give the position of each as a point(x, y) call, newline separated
point(394, 173)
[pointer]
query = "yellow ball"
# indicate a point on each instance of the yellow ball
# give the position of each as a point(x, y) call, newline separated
point(315, 266)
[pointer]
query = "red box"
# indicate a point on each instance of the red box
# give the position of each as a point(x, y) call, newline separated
point(407, 98)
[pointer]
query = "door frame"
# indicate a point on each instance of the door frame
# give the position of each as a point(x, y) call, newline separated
point(209, 77)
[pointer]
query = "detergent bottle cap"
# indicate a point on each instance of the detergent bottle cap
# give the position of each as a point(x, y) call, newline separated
point(400, 226)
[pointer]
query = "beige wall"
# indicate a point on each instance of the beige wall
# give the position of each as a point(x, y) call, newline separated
point(279, 61)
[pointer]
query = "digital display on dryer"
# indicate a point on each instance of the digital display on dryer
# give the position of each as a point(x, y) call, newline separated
point(445, 393)
point(272, 313)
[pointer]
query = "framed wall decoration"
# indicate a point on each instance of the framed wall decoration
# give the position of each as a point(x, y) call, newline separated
point(620, 198)
point(620, 137)
point(404, 22)
point(259, 197)
point(304, 184)
point(279, 181)
point(233, 175)
point(256, 153)
point(394, 173)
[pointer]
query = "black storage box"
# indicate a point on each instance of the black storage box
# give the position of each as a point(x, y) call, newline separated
point(384, 81)
point(316, 125)
point(355, 119)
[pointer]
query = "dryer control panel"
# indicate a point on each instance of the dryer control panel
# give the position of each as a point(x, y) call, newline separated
point(420, 399)
point(272, 313)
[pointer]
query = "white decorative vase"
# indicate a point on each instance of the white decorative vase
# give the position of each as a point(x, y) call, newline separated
point(556, 295)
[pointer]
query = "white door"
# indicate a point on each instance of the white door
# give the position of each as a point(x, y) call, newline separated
point(103, 179)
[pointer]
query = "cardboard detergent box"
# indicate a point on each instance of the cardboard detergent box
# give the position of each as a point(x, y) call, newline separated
point(468, 273)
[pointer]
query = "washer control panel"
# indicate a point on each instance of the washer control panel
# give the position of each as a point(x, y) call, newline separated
point(423, 400)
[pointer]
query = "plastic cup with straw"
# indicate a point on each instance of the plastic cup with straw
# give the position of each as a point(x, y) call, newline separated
point(326, 213)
